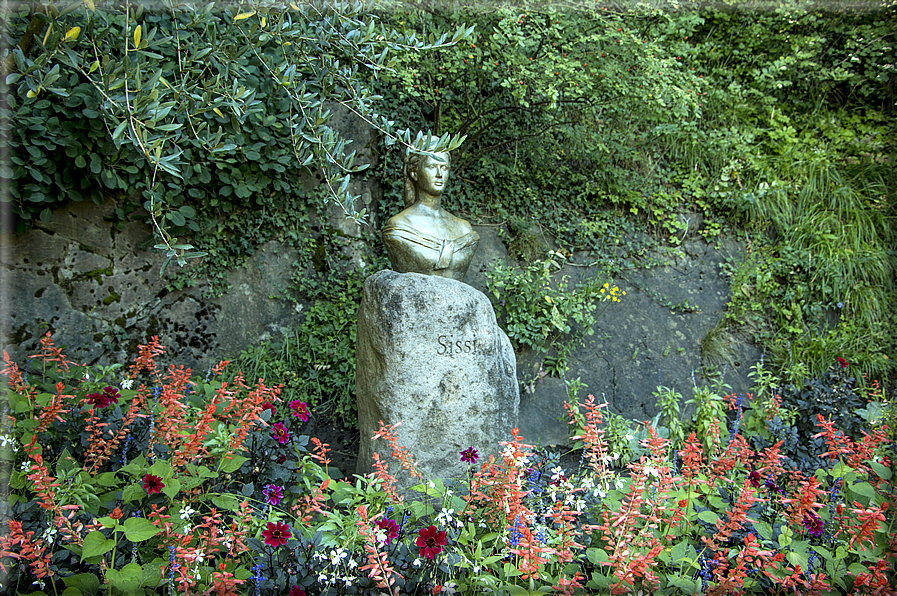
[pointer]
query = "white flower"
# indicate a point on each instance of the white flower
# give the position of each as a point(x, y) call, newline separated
point(6, 440)
point(86, 376)
point(416, 562)
point(49, 534)
point(322, 578)
point(187, 529)
point(187, 512)
point(651, 471)
point(127, 383)
point(445, 517)
point(337, 556)
point(352, 564)
point(26, 465)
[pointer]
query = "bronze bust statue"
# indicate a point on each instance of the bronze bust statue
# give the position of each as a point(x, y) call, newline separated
point(425, 238)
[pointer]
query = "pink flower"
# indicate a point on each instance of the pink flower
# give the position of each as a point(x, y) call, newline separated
point(814, 524)
point(470, 455)
point(430, 541)
point(300, 409)
point(273, 494)
point(390, 529)
point(295, 591)
point(842, 362)
point(280, 433)
point(277, 534)
point(152, 484)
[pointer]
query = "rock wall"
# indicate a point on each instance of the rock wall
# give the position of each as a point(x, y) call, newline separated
point(100, 295)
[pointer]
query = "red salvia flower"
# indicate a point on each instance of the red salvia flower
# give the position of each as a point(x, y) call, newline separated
point(430, 540)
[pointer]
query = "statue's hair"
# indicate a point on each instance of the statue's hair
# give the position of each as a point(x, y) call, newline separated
point(413, 161)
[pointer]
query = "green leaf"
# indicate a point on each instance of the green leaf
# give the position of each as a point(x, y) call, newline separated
point(686, 585)
point(132, 492)
point(127, 579)
point(796, 558)
point(161, 468)
point(96, 544)
point(233, 464)
point(139, 529)
point(709, 517)
point(883, 471)
point(763, 529)
point(108, 522)
point(863, 489)
point(172, 488)
point(226, 501)
point(106, 479)
point(87, 583)
point(597, 555)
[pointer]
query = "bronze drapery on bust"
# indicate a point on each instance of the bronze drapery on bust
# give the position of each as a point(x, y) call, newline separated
point(425, 238)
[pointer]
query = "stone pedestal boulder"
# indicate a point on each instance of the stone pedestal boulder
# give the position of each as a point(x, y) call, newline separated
point(430, 354)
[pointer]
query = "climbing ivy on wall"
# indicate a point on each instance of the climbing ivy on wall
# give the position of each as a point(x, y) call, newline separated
point(191, 110)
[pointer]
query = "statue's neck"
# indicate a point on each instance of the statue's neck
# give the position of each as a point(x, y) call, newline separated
point(429, 202)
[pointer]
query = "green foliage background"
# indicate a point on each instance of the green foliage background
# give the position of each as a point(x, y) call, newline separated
point(771, 119)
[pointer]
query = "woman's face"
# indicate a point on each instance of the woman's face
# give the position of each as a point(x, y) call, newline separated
point(432, 175)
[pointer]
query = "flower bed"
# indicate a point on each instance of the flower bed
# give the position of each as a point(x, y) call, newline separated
point(165, 483)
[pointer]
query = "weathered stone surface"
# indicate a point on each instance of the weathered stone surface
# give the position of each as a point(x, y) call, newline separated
point(652, 337)
point(430, 354)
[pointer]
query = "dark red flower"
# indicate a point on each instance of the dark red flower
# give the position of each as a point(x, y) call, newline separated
point(277, 534)
point(300, 409)
point(842, 362)
point(98, 400)
point(280, 433)
point(152, 484)
point(470, 455)
point(268, 406)
point(295, 591)
point(390, 529)
point(111, 394)
point(430, 540)
point(754, 477)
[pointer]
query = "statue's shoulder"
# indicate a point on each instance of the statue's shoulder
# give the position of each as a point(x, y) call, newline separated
point(462, 224)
